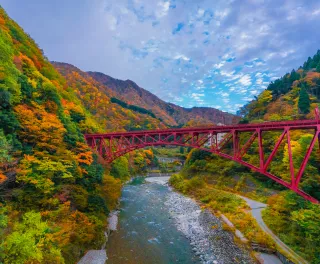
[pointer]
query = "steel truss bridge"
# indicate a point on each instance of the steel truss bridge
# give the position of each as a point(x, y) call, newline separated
point(232, 142)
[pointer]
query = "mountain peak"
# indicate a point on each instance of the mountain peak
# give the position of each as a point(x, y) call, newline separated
point(132, 94)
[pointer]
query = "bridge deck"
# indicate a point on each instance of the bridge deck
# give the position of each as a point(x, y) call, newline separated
point(266, 126)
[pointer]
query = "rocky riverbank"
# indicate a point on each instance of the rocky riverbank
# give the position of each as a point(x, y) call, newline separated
point(100, 256)
point(209, 241)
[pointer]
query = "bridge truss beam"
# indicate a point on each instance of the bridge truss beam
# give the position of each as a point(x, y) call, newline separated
point(230, 142)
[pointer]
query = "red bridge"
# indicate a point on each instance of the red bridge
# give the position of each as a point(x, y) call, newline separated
point(225, 141)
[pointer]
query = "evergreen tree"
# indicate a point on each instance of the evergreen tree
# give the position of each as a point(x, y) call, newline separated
point(294, 76)
point(304, 101)
point(318, 67)
point(307, 64)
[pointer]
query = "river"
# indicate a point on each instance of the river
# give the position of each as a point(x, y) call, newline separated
point(160, 226)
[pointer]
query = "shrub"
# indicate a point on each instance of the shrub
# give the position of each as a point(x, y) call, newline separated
point(194, 184)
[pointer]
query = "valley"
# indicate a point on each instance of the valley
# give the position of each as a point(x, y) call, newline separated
point(162, 227)
point(186, 193)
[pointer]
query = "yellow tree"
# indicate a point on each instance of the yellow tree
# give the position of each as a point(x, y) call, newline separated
point(41, 129)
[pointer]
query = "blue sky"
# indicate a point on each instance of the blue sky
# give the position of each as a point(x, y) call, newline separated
point(192, 53)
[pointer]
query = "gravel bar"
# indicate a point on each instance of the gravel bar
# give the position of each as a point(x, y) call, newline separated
point(210, 242)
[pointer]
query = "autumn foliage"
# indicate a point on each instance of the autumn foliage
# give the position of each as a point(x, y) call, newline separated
point(59, 193)
point(295, 220)
point(58, 197)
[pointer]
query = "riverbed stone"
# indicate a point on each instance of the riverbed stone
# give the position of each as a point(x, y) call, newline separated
point(210, 245)
point(94, 257)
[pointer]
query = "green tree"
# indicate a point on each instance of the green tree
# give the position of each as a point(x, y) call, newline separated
point(41, 173)
point(26, 88)
point(294, 76)
point(9, 122)
point(120, 168)
point(4, 99)
point(5, 148)
point(318, 67)
point(3, 225)
point(30, 242)
point(304, 101)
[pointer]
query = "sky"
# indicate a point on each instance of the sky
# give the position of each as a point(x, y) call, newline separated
point(215, 53)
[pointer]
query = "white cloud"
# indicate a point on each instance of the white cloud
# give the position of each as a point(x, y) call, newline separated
point(200, 12)
point(217, 106)
point(175, 98)
point(316, 12)
point(221, 14)
point(245, 80)
point(264, 29)
point(286, 53)
point(229, 57)
point(218, 65)
point(255, 92)
point(196, 95)
point(242, 90)
point(227, 74)
point(163, 8)
point(124, 10)
point(244, 35)
point(259, 63)
point(182, 57)
point(201, 87)
point(112, 22)
point(246, 98)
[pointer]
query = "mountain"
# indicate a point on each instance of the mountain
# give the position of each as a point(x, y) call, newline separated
point(98, 99)
point(171, 114)
point(54, 194)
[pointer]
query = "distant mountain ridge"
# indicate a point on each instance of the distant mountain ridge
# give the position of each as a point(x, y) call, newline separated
point(172, 114)
point(132, 94)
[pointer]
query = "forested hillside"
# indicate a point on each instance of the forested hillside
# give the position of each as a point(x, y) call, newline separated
point(171, 114)
point(54, 194)
point(294, 220)
point(98, 99)
point(293, 96)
